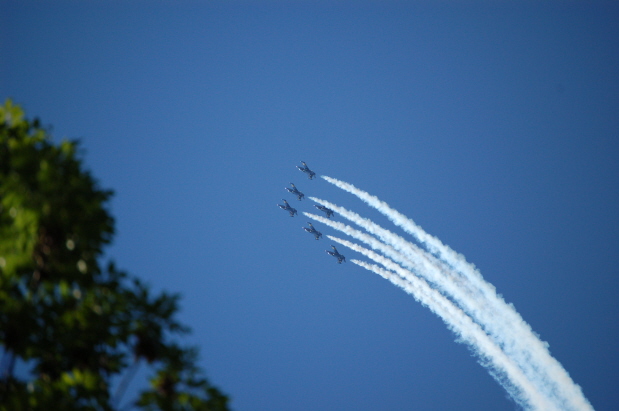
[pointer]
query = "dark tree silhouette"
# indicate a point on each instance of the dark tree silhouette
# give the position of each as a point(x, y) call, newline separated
point(74, 322)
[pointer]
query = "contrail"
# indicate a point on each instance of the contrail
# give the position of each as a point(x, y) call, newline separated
point(510, 330)
point(491, 356)
point(417, 263)
point(411, 278)
point(435, 271)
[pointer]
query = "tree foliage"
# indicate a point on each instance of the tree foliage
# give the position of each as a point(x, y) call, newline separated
point(77, 324)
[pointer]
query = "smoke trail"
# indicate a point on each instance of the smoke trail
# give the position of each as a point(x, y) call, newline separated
point(433, 270)
point(394, 249)
point(520, 342)
point(500, 366)
point(395, 256)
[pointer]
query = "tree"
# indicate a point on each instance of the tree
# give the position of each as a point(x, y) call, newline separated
point(72, 321)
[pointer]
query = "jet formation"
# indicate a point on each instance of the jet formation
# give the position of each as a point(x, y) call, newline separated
point(312, 230)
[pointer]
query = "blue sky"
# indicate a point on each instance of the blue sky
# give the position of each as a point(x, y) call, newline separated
point(494, 125)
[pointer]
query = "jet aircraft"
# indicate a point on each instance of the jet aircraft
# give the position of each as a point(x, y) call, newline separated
point(312, 230)
point(287, 207)
point(306, 170)
point(337, 255)
point(327, 211)
point(294, 190)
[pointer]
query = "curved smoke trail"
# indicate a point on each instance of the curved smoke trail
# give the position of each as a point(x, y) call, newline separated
point(460, 280)
point(491, 356)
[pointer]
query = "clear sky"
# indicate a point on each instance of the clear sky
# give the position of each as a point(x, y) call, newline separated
point(494, 125)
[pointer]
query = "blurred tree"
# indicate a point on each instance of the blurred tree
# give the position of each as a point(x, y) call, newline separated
point(74, 324)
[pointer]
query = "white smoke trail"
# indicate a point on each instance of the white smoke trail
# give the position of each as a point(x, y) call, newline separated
point(520, 343)
point(395, 256)
point(433, 270)
point(395, 249)
point(491, 356)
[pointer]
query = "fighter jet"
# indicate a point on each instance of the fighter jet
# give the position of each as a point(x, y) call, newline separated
point(337, 255)
point(328, 211)
point(306, 170)
point(295, 191)
point(287, 207)
point(312, 230)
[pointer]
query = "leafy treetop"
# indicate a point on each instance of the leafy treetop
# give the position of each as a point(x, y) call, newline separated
point(73, 323)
